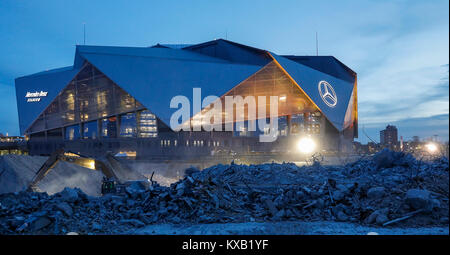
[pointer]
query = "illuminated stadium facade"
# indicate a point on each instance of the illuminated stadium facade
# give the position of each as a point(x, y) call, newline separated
point(118, 99)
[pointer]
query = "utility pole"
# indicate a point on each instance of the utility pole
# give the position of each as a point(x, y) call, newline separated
point(317, 44)
point(84, 33)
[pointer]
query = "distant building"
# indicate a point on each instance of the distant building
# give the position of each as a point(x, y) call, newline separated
point(7, 139)
point(389, 137)
point(373, 147)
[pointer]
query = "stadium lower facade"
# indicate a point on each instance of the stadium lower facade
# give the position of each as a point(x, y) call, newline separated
point(118, 99)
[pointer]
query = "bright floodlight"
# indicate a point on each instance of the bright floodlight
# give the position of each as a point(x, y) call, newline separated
point(306, 145)
point(431, 147)
point(91, 165)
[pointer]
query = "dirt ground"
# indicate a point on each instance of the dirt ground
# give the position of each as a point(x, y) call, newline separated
point(284, 228)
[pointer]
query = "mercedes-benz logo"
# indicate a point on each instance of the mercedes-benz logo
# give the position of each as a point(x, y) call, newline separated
point(327, 94)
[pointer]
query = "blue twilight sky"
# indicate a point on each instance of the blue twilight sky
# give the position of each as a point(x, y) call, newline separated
point(400, 49)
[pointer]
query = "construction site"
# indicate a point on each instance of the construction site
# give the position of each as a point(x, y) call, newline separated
point(105, 154)
point(387, 193)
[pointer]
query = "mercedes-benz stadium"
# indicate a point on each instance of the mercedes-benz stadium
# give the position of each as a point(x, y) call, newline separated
point(118, 99)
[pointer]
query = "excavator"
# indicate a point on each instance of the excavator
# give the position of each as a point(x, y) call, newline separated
point(116, 175)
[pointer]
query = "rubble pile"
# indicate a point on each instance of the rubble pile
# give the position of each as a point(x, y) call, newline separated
point(388, 189)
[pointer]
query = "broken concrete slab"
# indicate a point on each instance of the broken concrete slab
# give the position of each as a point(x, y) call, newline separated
point(376, 192)
point(65, 208)
point(418, 199)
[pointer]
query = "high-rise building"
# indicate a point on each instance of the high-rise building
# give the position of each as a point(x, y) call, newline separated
point(389, 137)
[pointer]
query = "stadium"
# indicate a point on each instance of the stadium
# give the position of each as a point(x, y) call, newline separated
point(118, 99)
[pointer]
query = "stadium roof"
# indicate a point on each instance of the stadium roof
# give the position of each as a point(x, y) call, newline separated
point(153, 75)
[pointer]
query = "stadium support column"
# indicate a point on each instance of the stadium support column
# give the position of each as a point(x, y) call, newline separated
point(323, 140)
point(99, 129)
point(118, 126)
point(345, 144)
point(306, 122)
point(137, 121)
point(288, 120)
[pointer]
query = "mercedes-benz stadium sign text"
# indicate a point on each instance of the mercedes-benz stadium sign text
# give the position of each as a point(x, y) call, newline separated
point(35, 96)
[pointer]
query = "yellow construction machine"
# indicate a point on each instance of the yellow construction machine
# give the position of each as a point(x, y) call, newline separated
point(116, 175)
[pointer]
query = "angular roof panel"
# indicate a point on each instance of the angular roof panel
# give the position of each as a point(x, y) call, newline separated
point(231, 51)
point(326, 64)
point(160, 53)
point(155, 81)
point(51, 71)
point(172, 46)
point(52, 82)
point(308, 80)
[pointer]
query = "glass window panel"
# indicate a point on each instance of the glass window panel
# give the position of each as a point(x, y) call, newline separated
point(109, 127)
point(90, 130)
point(39, 124)
point(72, 132)
point(282, 126)
point(272, 81)
point(147, 124)
point(89, 96)
point(297, 124)
point(128, 125)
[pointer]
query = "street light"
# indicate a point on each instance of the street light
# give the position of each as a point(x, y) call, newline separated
point(431, 147)
point(306, 145)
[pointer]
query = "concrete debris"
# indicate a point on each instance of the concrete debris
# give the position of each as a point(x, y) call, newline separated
point(271, 207)
point(341, 216)
point(418, 199)
point(388, 159)
point(65, 208)
point(135, 188)
point(68, 195)
point(379, 216)
point(133, 222)
point(405, 192)
point(96, 226)
point(376, 192)
point(382, 218)
point(191, 170)
point(409, 215)
point(40, 223)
